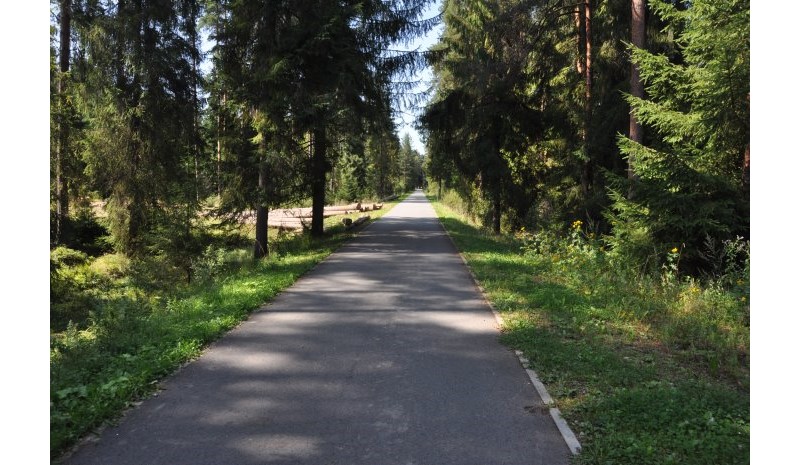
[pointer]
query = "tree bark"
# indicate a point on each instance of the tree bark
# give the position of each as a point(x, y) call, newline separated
point(636, 132)
point(579, 42)
point(220, 131)
point(318, 171)
point(62, 194)
point(746, 160)
point(496, 212)
point(261, 247)
point(586, 172)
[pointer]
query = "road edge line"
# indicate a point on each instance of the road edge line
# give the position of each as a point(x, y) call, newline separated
point(566, 432)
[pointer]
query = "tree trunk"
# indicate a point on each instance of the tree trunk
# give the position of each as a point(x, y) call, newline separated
point(636, 132)
point(586, 172)
point(261, 247)
point(579, 42)
point(62, 194)
point(746, 160)
point(318, 170)
point(221, 130)
point(496, 212)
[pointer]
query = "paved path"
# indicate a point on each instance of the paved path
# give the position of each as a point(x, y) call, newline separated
point(384, 354)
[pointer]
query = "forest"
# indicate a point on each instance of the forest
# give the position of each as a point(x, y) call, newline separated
point(633, 120)
point(611, 136)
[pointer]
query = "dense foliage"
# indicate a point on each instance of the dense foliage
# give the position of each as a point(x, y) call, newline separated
point(530, 122)
point(296, 99)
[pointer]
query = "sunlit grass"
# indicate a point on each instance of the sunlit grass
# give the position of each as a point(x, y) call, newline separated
point(645, 369)
point(136, 336)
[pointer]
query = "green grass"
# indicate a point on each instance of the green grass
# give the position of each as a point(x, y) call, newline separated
point(646, 370)
point(136, 335)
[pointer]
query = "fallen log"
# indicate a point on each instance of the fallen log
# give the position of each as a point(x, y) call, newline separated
point(291, 212)
point(286, 223)
point(351, 206)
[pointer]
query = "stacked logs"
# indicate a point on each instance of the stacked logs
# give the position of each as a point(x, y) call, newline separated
point(300, 218)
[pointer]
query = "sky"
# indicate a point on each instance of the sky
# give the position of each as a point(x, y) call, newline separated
point(405, 119)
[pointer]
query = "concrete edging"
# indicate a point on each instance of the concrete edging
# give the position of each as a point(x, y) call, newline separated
point(566, 432)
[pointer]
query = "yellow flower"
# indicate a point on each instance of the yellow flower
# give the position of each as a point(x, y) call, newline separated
point(744, 299)
point(674, 250)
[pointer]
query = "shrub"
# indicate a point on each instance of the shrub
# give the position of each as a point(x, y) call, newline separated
point(113, 265)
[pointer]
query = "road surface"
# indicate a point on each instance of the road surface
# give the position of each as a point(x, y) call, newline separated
point(384, 354)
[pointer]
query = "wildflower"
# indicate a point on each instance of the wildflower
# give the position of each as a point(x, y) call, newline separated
point(674, 250)
point(744, 299)
point(695, 290)
point(577, 224)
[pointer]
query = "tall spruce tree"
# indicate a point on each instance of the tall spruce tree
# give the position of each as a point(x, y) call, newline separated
point(341, 56)
point(62, 112)
point(141, 105)
point(482, 115)
point(312, 70)
point(690, 185)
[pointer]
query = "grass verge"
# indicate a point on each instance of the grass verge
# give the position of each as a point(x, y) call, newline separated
point(136, 337)
point(645, 371)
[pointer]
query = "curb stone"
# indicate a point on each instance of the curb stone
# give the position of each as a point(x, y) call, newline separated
point(566, 432)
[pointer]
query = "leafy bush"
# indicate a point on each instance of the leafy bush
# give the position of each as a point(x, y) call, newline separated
point(64, 256)
point(113, 265)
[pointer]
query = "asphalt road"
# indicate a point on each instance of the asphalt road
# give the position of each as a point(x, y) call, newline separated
point(384, 354)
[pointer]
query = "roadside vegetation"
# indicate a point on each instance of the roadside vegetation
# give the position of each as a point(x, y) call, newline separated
point(118, 325)
point(646, 367)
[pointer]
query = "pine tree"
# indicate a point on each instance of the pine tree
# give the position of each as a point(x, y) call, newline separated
point(63, 126)
point(141, 105)
point(314, 71)
point(690, 184)
point(638, 9)
point(482, 115)
point(340, 52)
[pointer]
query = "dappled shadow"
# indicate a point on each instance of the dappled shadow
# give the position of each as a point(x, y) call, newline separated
point(383, 354)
